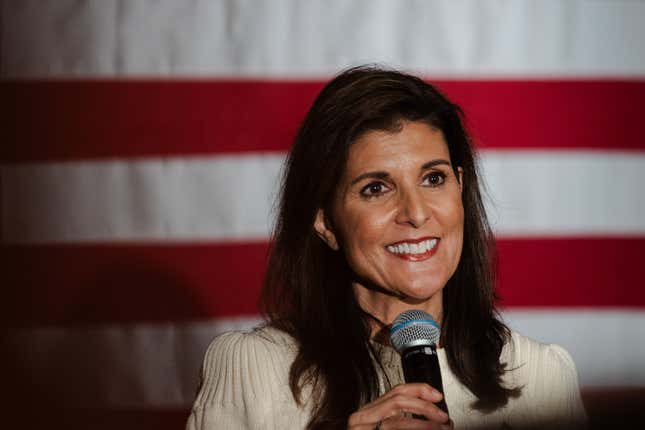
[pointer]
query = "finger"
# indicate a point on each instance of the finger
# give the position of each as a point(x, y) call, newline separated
point(415, 398)
point(397, 404)
point(421, 390)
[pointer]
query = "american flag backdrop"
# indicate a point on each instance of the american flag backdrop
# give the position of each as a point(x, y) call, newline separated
point(142, 142)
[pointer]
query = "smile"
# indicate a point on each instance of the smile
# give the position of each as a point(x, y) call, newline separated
point(414, 250)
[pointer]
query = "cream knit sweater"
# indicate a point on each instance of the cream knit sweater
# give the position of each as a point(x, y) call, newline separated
point(245, 386)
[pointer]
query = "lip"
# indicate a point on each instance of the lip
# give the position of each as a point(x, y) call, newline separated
point(416, 257)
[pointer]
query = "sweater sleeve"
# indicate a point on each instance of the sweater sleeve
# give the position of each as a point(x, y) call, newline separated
point(560, 390)
point(244, 385)
point(552, 393)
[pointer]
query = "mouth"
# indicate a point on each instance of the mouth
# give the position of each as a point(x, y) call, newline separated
point(414, 250)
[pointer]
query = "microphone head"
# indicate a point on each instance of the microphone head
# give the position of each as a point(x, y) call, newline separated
point(413, 328)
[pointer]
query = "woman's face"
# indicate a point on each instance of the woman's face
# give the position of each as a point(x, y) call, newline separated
point(398, 215)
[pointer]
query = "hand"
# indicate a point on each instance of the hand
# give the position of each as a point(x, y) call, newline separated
point(393, 408)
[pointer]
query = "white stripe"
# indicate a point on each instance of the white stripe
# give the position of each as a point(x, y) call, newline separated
point(229, 198)
point(157, 365)
point(279, 38)
point(223, 198)
point(565, 193)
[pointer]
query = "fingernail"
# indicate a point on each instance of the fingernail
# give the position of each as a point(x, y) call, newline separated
point(442, 414)
point(445, 426)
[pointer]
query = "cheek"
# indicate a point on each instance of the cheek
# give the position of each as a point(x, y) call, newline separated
point(360, 240)
point(452, 220)
point(458, 222)
point(361, 228)
point(449, 211)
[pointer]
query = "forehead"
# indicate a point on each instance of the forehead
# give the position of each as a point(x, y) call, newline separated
point(412, 146)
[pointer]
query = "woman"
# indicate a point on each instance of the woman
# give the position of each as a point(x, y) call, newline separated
point(381, 212)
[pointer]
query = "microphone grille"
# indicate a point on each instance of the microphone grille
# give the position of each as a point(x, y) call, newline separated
point(413, 328)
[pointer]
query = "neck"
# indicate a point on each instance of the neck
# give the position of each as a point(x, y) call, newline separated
point(384, 308)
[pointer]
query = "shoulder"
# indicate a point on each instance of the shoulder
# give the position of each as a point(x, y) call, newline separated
point(245, 383)
point(238, 364)
point(263, 341)
point(537, 363)
point(548, 378)
point(521, 351)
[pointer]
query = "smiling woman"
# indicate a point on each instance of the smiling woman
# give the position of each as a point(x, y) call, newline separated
point(381, 212)
point(399, 216)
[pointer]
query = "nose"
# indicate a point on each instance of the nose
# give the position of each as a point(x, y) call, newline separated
point(413, 209)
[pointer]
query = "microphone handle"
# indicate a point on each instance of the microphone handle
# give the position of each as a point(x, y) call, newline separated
point(421, 364)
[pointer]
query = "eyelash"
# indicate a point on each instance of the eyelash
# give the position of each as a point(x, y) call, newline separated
point(440, 175)
point(366, 192)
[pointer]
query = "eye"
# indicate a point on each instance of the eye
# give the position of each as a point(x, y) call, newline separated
point(374, 189)
point(434, 179)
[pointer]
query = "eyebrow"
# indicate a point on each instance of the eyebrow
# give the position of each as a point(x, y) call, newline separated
point(374, 175)
point(436, 162)
point(379, 174)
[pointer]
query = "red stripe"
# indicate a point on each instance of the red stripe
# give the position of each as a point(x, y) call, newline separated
point(572, 272)
point(54, 285)
point(552, 114)
point(63, 120)
point(64, 284)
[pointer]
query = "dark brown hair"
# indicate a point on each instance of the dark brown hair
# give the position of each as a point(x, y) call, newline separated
point(307, 289)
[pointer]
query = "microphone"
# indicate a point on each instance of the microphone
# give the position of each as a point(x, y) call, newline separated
point(414, 334)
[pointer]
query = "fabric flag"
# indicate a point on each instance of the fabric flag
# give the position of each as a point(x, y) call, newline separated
point(143, 141)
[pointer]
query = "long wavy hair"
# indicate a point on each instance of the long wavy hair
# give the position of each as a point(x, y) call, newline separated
point(307, 289)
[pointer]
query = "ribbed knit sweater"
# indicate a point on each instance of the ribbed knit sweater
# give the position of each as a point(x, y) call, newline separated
point(245, 385)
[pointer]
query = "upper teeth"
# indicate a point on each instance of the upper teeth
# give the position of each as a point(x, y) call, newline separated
point(413, 248)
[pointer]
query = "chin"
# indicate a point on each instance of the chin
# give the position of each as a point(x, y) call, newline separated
point(420, 290)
